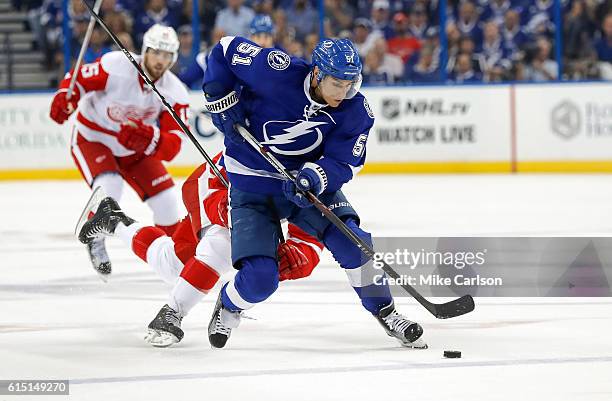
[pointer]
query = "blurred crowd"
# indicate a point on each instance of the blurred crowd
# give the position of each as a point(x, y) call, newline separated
point(399, 41)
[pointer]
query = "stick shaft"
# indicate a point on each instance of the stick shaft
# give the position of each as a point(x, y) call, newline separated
point(335, 220)
point(90, 27)
point(167, 105)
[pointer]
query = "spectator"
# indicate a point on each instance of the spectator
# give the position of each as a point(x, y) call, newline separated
point(339, 16)
point(495, 11)
point(155, 12)
point(303, 18)
point(514, 37)
point(262, 30)
point(453, 36)
point(295, 48)
point(235, 19)
point(463, 71)
point(432, 39)
point(425, 70)
point(541, 68)
point(77, 9)
point(373, 71)
point(108, 6)
point(186, 13)
point(578, 31)
point(402, 44)
point(309, 44)
point(603, 45)
point(418, 21)
point(539, 15)
point(494, 56)
point(363, 37)
point(390, 62)
point(467, 46)
point(281, 28)
point(98, 45)
point(263, 7)
point(380, 18)
point(185, 55)
point(127, 41)
point(467, 22)
point(118, 22)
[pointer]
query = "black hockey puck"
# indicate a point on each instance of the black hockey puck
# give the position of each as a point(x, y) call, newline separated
point(452, 354)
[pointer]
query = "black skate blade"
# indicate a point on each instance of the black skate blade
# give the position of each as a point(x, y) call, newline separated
point(91, 207)
point(454, 308)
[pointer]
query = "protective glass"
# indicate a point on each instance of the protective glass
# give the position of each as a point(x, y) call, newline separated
point(338, 88)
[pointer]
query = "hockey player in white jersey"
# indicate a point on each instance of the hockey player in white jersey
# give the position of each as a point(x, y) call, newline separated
point(121, 131)
point(197, 255)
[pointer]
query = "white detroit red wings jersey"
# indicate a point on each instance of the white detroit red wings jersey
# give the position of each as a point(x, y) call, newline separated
point(111, 92)
point(203, 192)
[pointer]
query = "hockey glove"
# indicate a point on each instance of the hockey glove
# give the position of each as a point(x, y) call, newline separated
point(216, 208)
point(61, 107)
point(139, 137)
point(296, 260)
point(312, 178)
point(225, 111)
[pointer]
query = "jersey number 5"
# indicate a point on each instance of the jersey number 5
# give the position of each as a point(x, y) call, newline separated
point(90, 70)
point(360, 145)
point(248, 49)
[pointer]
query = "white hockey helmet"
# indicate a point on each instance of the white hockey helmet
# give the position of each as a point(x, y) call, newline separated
point(160, 37)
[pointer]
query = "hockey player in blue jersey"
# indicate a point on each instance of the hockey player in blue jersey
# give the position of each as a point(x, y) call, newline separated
point(313, 118)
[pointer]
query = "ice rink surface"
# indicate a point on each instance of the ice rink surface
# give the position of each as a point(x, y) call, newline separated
point(311, 340)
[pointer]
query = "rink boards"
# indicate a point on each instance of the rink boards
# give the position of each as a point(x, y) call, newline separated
point(439, 129)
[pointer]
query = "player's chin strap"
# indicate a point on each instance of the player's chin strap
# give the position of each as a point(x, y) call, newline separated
point(457, 307)
point(167, 105)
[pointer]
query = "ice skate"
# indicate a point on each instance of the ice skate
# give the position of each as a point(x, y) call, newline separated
point(96, 248)
point(92, 228)
point(165, 330)
point(221, 324)
point(407, 332)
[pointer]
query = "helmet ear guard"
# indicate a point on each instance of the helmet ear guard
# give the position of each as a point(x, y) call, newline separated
point(160, 37)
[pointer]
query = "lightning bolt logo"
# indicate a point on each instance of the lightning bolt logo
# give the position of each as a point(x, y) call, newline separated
point(291, 135)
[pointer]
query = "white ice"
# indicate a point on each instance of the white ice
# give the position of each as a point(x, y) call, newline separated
point(311, 340)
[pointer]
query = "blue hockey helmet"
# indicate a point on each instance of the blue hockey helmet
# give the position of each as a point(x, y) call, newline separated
point(262, 23)
point(338, 58)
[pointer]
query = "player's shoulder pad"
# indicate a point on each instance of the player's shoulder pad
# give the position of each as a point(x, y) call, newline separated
point(175, 89)
point(276, 59)
point(117, 64)
point(359, 106)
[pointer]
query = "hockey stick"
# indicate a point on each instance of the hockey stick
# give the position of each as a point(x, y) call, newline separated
point(169, 108)
point(457, 307)
point(90, 27)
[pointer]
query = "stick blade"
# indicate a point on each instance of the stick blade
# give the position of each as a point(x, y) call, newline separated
point(457, 307)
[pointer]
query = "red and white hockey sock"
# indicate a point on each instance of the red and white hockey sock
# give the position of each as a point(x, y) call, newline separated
point(127, 233)
point(184, 297)
point(197, 278)
point(168, 230)
point(154, 247)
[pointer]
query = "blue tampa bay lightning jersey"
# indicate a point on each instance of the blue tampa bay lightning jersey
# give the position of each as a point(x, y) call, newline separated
point(275, 93)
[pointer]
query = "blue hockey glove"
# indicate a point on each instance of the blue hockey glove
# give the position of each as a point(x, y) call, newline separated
point(225, 111)
point(312, 178)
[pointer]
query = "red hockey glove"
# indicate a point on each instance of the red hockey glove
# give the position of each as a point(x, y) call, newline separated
point(138, 136)
point(222, 210)
point(215, 207)
point(61, 107)
point(296, 260)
